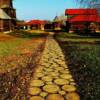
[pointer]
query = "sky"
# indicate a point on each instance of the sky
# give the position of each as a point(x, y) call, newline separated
point(41, 9)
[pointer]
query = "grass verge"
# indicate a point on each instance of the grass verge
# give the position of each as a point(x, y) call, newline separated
point(27, 34)
point(84, 63)
point(75, 38)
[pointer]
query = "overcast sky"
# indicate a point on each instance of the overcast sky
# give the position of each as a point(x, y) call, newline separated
point(41, 9)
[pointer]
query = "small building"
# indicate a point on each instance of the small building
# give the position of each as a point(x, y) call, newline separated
point(81, 18)
point(36, 24)
point(7, 15)
point(59, 22)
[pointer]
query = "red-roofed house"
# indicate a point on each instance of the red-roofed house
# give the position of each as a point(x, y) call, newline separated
point(36, 24)
point(79, 18)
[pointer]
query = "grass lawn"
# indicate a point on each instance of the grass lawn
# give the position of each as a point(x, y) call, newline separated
point(84, 63)
point(11, 41)
point(15, 44)
point(28, 34)
point(8, 47)
point(72, 37)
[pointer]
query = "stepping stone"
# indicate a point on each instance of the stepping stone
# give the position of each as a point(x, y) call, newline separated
point(48, 69)
point(61, 81)
point(72, 96)
point(59, 68)
point(36, 98)
point(55, 97)
point(72, 83)
point(54, 74)
point(66, 76)
point(43, 94)
point(37, 83)
point(39, 74)
point(71, 80)
point(34, 91)
point(64, 71)
point(47, 78)
point(69, 88)
point(62, 92)
point(52, 88)
point(48, 83)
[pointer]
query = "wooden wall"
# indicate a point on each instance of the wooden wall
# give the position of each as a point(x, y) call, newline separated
point(6, 25)
point(6, 2)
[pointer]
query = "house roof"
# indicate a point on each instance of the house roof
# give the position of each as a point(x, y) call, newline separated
point(83, 18)
point(3, 15)
point(81, 12)
point(36, 22)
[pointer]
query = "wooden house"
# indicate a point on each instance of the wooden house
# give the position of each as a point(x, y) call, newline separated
point(7, 15)
point(36, 24)
point(81, 18)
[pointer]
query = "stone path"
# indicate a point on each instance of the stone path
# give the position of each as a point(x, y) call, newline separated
point(52, 79)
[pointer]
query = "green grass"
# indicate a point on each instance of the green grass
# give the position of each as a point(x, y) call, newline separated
point(63, 34)
point(83, 59)
point(72, 37)
point(84, 63)
point(26, 34)
point(9, 47)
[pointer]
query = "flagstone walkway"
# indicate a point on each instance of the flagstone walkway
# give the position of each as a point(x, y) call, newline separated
point(52, 79)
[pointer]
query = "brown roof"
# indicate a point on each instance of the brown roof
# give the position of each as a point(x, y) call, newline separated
point(3, 15)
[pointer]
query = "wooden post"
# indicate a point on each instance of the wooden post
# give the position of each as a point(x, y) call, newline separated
point(1, 25)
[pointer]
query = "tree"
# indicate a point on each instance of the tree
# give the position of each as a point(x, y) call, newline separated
point(90, 4)
point(86, 3)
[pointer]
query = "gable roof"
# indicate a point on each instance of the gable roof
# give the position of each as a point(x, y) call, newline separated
point(36, 22)
point(3, 15)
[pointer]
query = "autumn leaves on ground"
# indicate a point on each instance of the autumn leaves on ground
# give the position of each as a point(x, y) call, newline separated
point(19, 53)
